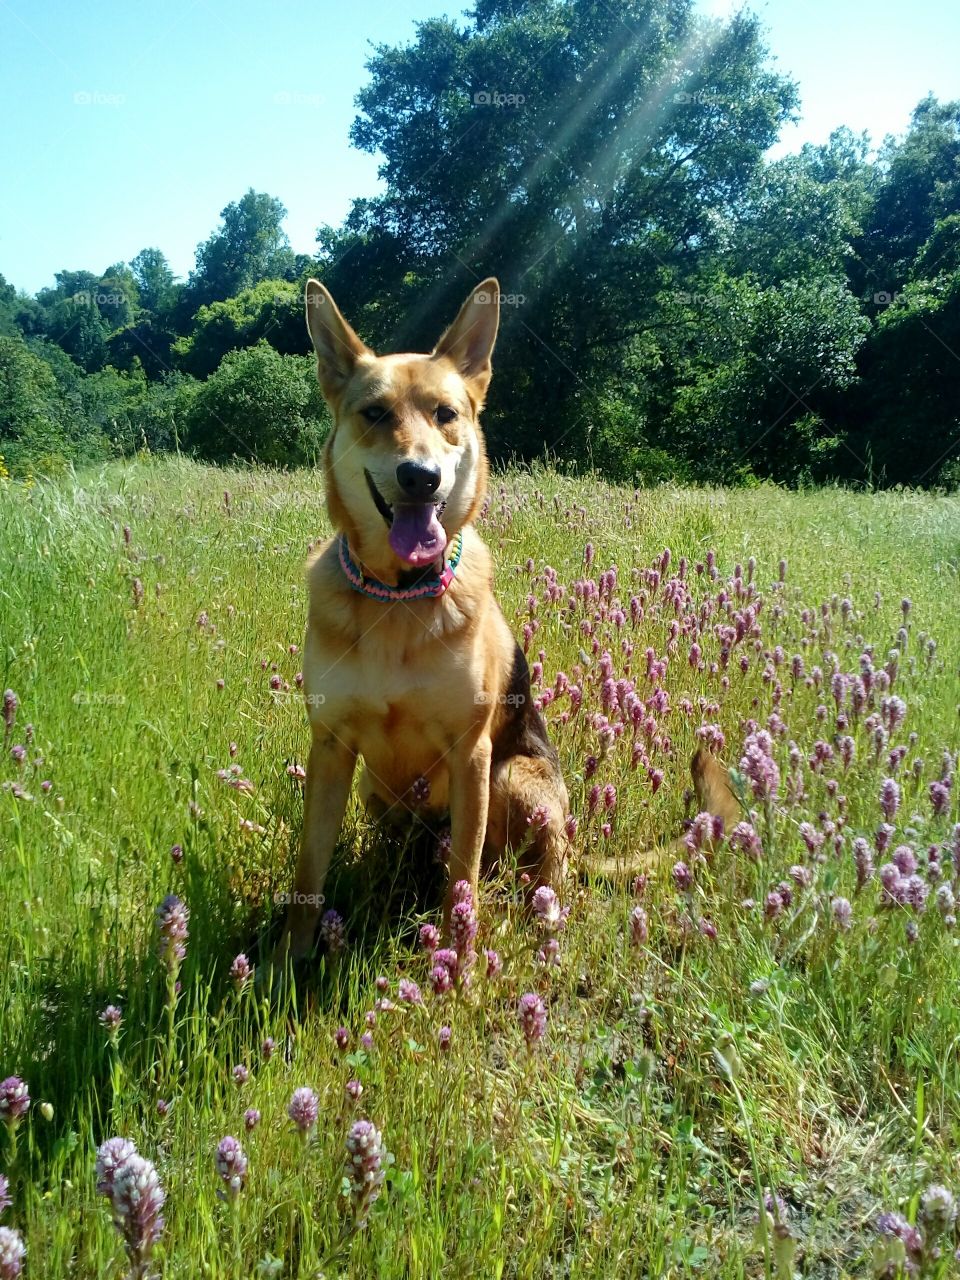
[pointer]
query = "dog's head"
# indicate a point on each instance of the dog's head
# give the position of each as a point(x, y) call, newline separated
point(405, 465)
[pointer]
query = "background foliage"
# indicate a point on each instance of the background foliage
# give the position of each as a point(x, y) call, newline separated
point(675, 304)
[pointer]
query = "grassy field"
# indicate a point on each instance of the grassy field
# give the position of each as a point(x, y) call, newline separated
point(781, 1016)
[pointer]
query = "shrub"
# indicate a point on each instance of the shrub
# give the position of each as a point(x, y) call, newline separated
point(42, 426)
point(259, 406)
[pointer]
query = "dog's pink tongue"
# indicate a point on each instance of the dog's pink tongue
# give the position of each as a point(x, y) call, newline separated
point(416, 534)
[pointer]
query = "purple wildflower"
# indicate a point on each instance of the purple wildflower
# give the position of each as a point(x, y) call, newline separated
point(420, 791)
point(494, 963)
point(533, 1018)
point(353, 1090)
point(682, 876)
point(366, 1156)
point(842, 912)
point(136, 1198)
point(639, 927)
point(463, 928)
point(10, 704)
point(773, 905)
point(110, 1019)
point(759, 767)
point(441, 979)
point(5, 1201)
point(444, 1037)
point(232, 1166)
point(940, 797)
point(303, 1109)
point(251, 1118)
point(547, 909)
point(14, 1101)
point(889, 799)
point(938, 1208)
point(240, 971)
point(905, 860)
point(863, 859)
point(409, 992)
point(173, 917)
point(111, 1156)
point(12, 1253)
point(429, 937)
point(744, 838)
point(241, 1075)
point(333, 931)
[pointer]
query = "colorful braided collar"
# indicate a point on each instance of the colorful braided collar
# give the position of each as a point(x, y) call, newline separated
point(429, 588)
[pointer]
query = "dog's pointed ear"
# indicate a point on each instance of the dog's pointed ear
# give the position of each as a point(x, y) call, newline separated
point(469, 340)
point(337, 346)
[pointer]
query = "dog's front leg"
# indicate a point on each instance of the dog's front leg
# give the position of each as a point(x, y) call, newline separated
point(326, 791)
point(469, 802)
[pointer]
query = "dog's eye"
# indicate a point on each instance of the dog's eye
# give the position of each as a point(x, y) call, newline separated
point(375, 413)
point(445, 413)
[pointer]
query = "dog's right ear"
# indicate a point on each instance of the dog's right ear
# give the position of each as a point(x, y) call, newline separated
point(337, 346)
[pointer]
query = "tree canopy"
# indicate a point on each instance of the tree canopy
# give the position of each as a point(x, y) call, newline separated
point(675, 303)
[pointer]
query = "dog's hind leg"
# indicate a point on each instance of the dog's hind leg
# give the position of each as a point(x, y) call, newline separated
point(528, 808)
point(326, 791)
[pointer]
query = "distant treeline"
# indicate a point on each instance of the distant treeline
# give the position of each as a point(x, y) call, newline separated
point(675, 305)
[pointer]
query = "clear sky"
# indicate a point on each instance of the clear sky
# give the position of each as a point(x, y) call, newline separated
point(130, 124)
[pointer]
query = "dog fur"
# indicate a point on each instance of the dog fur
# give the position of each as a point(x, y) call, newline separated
point(435, 688)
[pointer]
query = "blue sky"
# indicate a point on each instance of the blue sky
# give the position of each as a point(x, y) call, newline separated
point(130, 125)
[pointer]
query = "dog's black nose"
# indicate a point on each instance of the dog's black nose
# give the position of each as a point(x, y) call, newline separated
point(418, 480)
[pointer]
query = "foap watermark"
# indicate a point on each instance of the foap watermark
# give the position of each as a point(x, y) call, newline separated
point(293, 98)
point(95, 698)
point(682, 299)
point(98, 98)
point(494, 98)
point(504, 299)
point(484, 698)
point(294, 898)
point(87, 298)
point(297, 695)
point(701, 98)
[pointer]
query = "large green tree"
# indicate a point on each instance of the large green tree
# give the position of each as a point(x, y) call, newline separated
point(250, 245)
point(584, 153)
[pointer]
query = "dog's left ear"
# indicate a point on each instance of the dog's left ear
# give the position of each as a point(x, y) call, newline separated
point(469, 340)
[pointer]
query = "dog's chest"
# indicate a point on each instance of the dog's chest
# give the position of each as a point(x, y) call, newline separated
point(395, 686)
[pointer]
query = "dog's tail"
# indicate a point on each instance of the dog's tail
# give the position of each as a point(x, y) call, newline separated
point(711, 785)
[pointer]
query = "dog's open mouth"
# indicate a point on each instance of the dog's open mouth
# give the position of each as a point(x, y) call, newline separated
point(416, 534)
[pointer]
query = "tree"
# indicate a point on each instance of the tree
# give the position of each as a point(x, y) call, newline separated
point(763, 363)
point(249, 246)
point(40, 429)
point(919, 186)
point(117, 297)
point(75, 324)
point(801, 215)
point(155, 280)
point(586, 154)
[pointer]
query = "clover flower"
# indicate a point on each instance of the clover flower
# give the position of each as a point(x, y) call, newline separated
point(366, 1156)
point(533, 1018)
point(303, 1109)
point(231, 1163)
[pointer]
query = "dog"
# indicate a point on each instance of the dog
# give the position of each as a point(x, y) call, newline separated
point(408, 663)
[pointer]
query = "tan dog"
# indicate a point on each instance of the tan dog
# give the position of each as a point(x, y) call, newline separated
point(408, 661)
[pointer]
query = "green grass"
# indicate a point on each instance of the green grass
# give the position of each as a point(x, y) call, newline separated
point(619, 1147)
